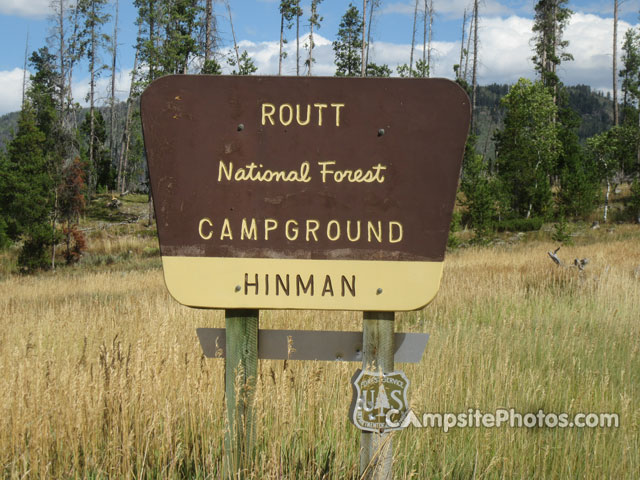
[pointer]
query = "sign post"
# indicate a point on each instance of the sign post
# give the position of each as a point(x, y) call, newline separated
point(241, 369)
point(305, 193)
point(376, 448)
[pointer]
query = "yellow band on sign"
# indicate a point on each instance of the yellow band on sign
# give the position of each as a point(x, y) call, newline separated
point(268, 283)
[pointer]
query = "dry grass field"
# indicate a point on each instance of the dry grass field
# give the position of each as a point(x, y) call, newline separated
point(103, 376)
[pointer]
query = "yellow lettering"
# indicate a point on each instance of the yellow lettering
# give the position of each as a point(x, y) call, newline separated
point(249, 232)
point(291, 230)
point(269, 225)
point(226, 230)
point(335, 237)
point(266, 114)
point(320, 106)
point(397, 238)
point(282, 107)
point(306, 122)
point(312, 230)
point(210, 234)
point(337, 106)
point(371, 230)
point(223, 169)
point(349, 231)
point(324, 171)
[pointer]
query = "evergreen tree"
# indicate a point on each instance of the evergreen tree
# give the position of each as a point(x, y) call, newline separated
point(4, 190)
point(28, 198)
point(179, 43)
point(550, 19)
point(104, 170)
point(375, 70)
point(578, 175)
point(480, 194)
point(246, 67)
point(527, 148)
point(348, 45)
point(630, 72)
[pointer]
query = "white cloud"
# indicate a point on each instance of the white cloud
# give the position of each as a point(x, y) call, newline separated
point(10, 90)
point(103, 88)
point(504, 56)
point(25, 8)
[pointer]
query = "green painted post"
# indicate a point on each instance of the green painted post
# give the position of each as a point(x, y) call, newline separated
point(241, 369)
point(376, 452)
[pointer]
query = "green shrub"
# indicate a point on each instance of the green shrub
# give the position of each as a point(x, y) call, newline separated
point(520, 224)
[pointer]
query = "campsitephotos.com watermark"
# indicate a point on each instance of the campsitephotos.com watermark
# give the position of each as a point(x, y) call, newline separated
point(503, 417)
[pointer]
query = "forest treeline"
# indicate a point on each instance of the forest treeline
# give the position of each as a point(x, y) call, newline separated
point(537, 150)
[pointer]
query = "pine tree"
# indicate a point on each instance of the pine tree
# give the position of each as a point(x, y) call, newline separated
point(577, 173)
point(630, 72)
point(550, 20)
point(179, 43)
point(375, 70)
point(347, 47)
point(28, 199)
point(246, 65)
point(480, 194)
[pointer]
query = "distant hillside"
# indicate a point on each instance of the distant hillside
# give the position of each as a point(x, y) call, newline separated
point(594, 108)
point(8, 125)
point(9, 121)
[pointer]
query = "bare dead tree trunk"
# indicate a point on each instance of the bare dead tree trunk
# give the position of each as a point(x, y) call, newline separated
point(464, 26)
point(474, 77)
point(126, 134)
point(615, 61)
point(24, 69)
point(424, 33)
point(555, 49)
point(281, 41)
point(298, 38)
point(413, 38)
point(62, 54)
point(466, 62)
point(430, 38)
point(114, 55)
point(92, 91)
point(364, 28)
point(72, 61)
point(233, 33)
point(208, 40)
point(371, 8)
point(314, 16)
point(606, 201)
point(53, 230)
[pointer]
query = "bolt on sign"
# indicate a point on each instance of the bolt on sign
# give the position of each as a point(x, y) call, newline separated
point(301, 192)
point(380, 400)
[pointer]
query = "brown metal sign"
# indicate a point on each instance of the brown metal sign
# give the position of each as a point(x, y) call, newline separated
point(293, 192)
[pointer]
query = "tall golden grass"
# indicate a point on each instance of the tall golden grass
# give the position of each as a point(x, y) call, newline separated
point(103, 377)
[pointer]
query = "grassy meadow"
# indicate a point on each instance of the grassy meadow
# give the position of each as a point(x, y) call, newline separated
point(103, 376)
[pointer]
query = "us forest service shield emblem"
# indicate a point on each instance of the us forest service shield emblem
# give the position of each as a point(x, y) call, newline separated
point(380, 400)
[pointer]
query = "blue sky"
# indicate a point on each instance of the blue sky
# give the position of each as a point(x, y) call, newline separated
point(505, 33)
